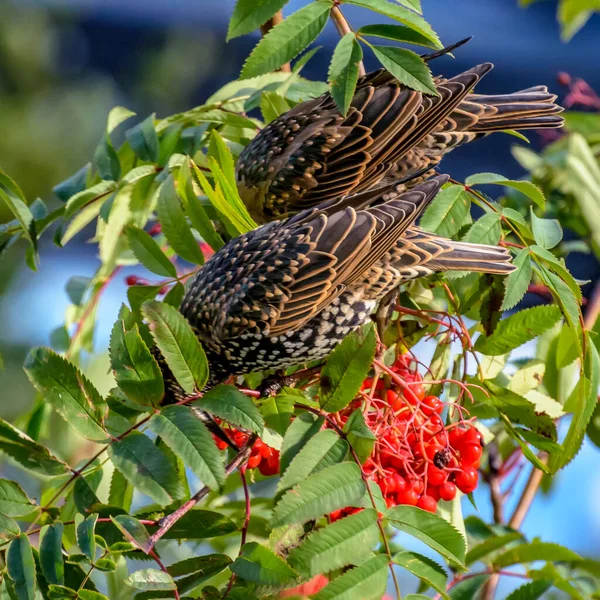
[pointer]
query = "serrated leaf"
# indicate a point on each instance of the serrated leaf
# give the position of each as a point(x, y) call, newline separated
point(547, 232)
point(143, 140)
point(258, 564)
point(198, 525)
point(132, 530)
point(407, 67)
point(339, 544)
point(490, 545)
point(532, 552)
point(447, 212)
point(68, 391)
point(563, 295)
point(557, 266)
point(332, 488)
point(72, 185)
point(21, 567)
point(302, 429)
point(359, 436)
point(287, 39)
point(530, 591)
point(191, 441)
point(343, 71)
point(9, 528)
point(146, 467)
point(427, 570)
point(367, 582)
point(14, 502)
point(402, 15)
point(518, 329)
point(174, 225)
point(151, 580)
point(398, 33)
point(323, 450)
point(248, 15)
point(518, 281)
point(272, 105)
point(486, 230)
point(116, 116)
point(138, 294)
point(231, 405)
point(51, 559)
point(525, 187)
point(86, 534)
point(178, 344)
point(28, 453)
point(106, 160)
point(468, 588)
point(111, 242)
point(14, 198)
point(76, 288)
point(202, 568)
point(148, 252)
point(346, 368)
point(277, 412)
point(431, 529)
point(136, 371)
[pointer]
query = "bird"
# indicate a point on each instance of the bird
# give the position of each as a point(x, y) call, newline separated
point(289, 291)
point(313, 153)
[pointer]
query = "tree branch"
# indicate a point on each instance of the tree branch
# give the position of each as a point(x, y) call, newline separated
point(343, 28)
point(266, 27)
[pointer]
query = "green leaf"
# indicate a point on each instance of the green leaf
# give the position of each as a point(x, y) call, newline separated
point(339, 544)
point(323, 450)
point(174, 225)
point(136, 371)
point(198, 525)
point(148, 252)
point(398, 33)
point(72, 185)
point(86, 535)
point(431, 529)
point(138, 294)
point(323, 492)
point(111, 242)
point(343, 71)
point(76, 288)
point(518, 281)
point(272, 106)
point(525, 187)
point(143, 140)
point(68, 391)
point(367, 582)
point(27, 452)
point(249, 15)
point(13, 500)
point(360, 437)
point(151, 580)
point(490, 545)
point(302, 429)
point(287, 39)
point(258, 564)
point(402, 15)
point(21, 567)
point(448, 211)
point(202, 568)
point(106, 160)
point(346, 368)
point(191, 441)
point(9, 528)
point(564, 296)
point(486, 230)
point(468, 588)
point(547, 232)
point(116, 116)
point(277, 412)
point(51, 559)
point(530, 591)
point(146, 467)
point(13, 197)
point(132, 530)
point(526, 553)
point(178, 344)
point(427, 570)
point(518, 329)
point(407, 67)
point(557, 266)
point(231, 405)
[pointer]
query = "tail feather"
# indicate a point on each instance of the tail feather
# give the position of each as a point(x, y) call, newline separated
point(465, 256)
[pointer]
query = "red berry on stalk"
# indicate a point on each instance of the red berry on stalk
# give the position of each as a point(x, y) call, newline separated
point(472, 436)
point(427, 503)
point(436, 476)
point(432, 404)
point(466, 479)
point(448, 491)
point(131, 279)
point(408, 496)
point(254, 461)
point(155, 229)
point(455, 436)
point(470, 453)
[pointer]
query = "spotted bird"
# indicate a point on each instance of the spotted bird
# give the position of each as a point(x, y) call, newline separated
point(289, 291)
point(313, 153)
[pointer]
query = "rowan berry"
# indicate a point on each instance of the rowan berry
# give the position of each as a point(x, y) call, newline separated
point(427, 503)
point(448, 491)
point(466, 479)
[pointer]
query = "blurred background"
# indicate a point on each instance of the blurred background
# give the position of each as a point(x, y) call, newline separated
point(65, 63)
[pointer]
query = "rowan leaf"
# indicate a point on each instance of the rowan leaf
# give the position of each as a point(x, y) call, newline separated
point(486, 230)
point(359, 435)
point(530, 591)
point(151, 580)
point(398, 33)
point(301, 430)
point(518, 281)
point(86, 535)
point(259, 565)
point(199, 569)
point(143, 140)
point(491, 545)
point(14, 502)
point(21, 567)
point(525, 187)
point(198, 525)
point(427, 570)
point(532, 552)
point(148, 252)
point(447, 212)
point(547, 232)
point(407, 67)
point(133, 530)
point(343, 71)
point(248, 15)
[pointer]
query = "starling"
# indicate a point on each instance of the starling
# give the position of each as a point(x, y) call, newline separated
point(289, 291)
point(313, 153)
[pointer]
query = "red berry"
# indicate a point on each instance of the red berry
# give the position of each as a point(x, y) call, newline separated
point(472, 436)
point(432, 404)
point(470, 453)
point(409, 497)
point(447, 491)
point(131, 279)
point(455, 437)
point(418, 486)
point(400, 482)
point(427, 503)
point(436, 476)
point(155, 229)
point(466, 479)
point(254, 461)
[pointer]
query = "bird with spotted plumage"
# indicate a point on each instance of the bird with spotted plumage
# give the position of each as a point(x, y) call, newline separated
point(289, 291)
point(313, 153)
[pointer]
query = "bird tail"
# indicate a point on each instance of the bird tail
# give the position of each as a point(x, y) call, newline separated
point(532, 108)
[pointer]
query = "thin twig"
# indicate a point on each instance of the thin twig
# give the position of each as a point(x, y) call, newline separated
point(264, 29)
point(344, 28)
point(593, 308)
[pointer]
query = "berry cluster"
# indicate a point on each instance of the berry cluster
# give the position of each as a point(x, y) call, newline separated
point(417, 459)
point(262, 457)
